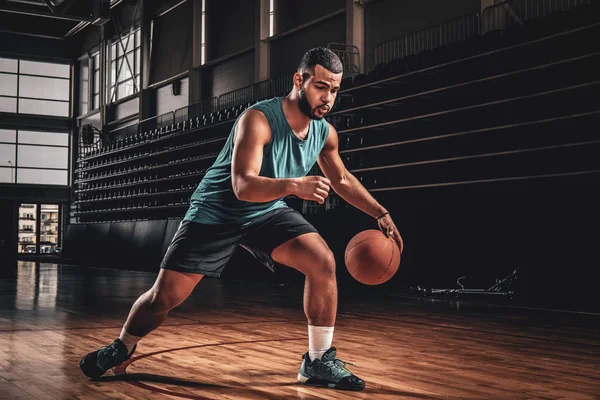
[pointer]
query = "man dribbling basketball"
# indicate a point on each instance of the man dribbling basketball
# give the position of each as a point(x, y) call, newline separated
point(271, 148)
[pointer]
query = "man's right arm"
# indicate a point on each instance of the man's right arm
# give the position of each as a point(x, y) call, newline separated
point(252, 134)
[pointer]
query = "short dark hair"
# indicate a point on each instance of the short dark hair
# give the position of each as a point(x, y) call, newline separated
point(322, 56)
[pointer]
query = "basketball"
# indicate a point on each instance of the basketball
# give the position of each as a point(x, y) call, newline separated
point(371, 257)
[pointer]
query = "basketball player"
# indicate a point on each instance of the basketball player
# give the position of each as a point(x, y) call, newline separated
point(271, 148)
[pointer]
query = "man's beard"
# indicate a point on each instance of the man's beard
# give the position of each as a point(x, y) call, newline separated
point(306, 108)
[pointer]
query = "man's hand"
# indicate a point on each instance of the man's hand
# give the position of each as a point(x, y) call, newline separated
point(315, 188)
point(388, 227)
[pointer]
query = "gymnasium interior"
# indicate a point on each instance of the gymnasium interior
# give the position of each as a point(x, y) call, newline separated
point(471, 121)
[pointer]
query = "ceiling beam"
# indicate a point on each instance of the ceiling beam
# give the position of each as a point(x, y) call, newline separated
point(65, 6)
point(32, 34)
point(50, 6)
point(37, 13)
point(77, 28)
point(32, 2)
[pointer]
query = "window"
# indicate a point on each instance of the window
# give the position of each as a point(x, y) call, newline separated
point(203, 39)
point(271, 17)
point(31, 87)
point(84, 84)
point(34, 157)
point(125, 58)
point(89, 83)
point(95, 67)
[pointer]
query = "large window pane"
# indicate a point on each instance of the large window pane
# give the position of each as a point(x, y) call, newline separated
point(138, 61)
point(113, 72)
point(125, 73)
point(43, 157)
point(8, 85)
point(83, 86)
point(125, 89)
point(95, 61)
point(130, 45)
point(8, 135)
point(52, 138)
point(96, 78)
point(8, 105)
point(27, 237)
point(49, 217)
point(44, 107)
point(45, 69)
point(7, 155)
point(46, 85)
point(42, 176)
point(43, 88)
point(7, 175)
point(8, 65)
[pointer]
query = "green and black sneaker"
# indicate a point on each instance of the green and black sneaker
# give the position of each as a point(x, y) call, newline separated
point(328, 372)
point(96, 363)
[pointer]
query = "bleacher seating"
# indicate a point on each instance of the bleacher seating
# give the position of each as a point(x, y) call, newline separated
point(508, 104)
point(425, 112)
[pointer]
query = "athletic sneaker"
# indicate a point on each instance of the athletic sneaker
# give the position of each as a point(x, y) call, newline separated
point(328, 372)
point(96, 363)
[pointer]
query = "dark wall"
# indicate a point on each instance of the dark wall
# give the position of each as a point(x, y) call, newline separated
point(34, 193)
point(167, 102)
point(287, 51)
point(34, 46)
point(290, 14)
point(546, 229)
point(128, 244)
point(7, 227)
point(229, 27)
point(228, 75)
point(124, 109)
point(385, 20)
point(86, 41)
point(93, 119)
point(172, 43)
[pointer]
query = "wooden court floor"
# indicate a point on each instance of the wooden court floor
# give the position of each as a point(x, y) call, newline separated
point(237, 340)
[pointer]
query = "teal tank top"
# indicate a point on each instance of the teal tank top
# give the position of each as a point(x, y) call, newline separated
point(285, 156)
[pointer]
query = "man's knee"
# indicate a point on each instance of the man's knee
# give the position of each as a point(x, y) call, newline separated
point(161, 301)
point(324, 264)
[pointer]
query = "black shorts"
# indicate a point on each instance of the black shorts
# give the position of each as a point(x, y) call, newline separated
point(205, 249)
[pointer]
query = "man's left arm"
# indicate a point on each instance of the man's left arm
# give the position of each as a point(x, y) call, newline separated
point(350, 189)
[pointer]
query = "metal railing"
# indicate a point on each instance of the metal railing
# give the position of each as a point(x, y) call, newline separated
point(249, 94)
point(125, 131)
point(282, 85)
point(499, 16)
point(528, 9)
point(195, 110)
point(504, 14)
point(156, 122)
point(429, 38)
point(349, 56)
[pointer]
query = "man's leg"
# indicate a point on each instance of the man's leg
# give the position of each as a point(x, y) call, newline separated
point(309, 254)
point(151, 308)
point(148, 312)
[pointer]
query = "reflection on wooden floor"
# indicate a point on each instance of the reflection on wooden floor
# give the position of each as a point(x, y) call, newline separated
point(236, 340)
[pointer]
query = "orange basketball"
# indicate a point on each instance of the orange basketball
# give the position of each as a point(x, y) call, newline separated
point(371, 257)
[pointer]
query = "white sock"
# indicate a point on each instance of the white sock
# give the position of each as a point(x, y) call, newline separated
point(319, 340)
point(129, 340)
